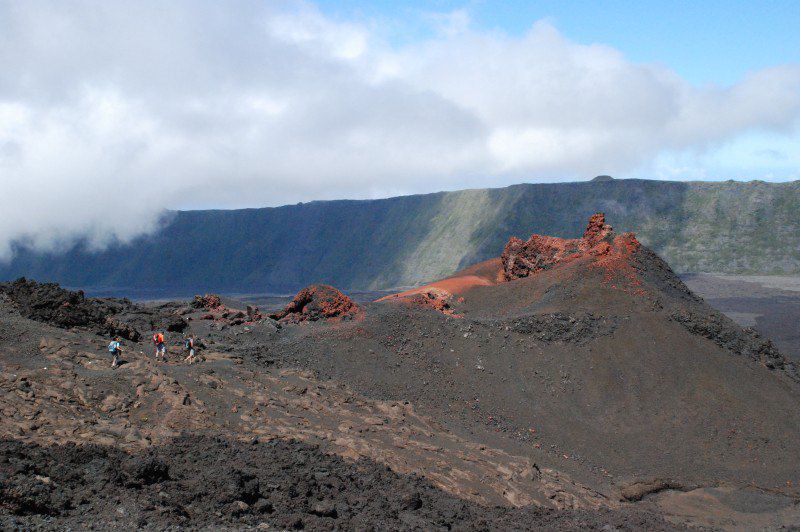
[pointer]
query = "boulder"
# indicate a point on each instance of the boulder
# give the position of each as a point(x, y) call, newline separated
point(317, 302)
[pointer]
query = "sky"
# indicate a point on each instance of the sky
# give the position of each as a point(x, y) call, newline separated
point(111, 112)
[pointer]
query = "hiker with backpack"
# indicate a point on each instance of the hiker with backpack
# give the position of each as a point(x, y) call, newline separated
point(161, 348)
point(115, 348)
point(188, 344)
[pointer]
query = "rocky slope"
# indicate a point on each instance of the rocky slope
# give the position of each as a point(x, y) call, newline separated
point(196, 482)
point(405, 241)
point(598, 355)
point(568, 383)
point(264, 447)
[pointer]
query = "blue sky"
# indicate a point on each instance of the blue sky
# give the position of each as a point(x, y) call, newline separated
point(708, 43)
point(704, 41)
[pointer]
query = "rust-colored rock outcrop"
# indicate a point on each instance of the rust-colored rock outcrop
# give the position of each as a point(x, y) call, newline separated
point(435, 298)
point(315, 302)
point(523, 258)
point(599, 250)
point(597, 229)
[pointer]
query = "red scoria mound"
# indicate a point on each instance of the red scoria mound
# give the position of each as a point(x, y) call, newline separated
point(314, 302)
point(598, 248)
point(599, 244)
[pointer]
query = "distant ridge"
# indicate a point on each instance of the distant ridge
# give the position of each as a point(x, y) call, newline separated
point(731, 227)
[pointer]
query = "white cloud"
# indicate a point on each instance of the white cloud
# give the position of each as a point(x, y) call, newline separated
point(111, 112)
point(450, 24)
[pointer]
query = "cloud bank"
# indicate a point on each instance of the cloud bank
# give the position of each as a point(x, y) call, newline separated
point(111, 113)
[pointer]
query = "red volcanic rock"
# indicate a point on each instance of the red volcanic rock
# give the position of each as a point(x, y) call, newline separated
point(437, 299)
point(430, 296)
point(522, 258)
point(315, 302)
point(614, 259)
point(598, 249)
point(597, 229)
point(599, 244)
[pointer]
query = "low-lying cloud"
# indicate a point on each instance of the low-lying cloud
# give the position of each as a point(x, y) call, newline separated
point(111, 113)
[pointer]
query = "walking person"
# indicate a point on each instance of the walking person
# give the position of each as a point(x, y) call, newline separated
point(158, 342)
point(189, 346)
point(115, 348)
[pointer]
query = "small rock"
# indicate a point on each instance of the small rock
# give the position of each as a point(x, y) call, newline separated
point(263, 506)
point(325, 509)
point(412, 501)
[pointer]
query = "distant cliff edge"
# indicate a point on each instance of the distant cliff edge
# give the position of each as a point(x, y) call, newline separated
point(730, 227)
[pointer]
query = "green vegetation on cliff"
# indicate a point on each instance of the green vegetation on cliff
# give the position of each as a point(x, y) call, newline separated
point(730, 227)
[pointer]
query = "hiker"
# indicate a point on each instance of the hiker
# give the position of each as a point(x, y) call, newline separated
point(189, 346)
point(161, 348)
point(115, 348)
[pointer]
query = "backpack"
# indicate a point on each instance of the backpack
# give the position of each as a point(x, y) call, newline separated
point(189, 343)
point(113, 346)
point(158, 338)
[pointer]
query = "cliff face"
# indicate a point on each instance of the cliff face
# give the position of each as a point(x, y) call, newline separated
point(730, 227)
